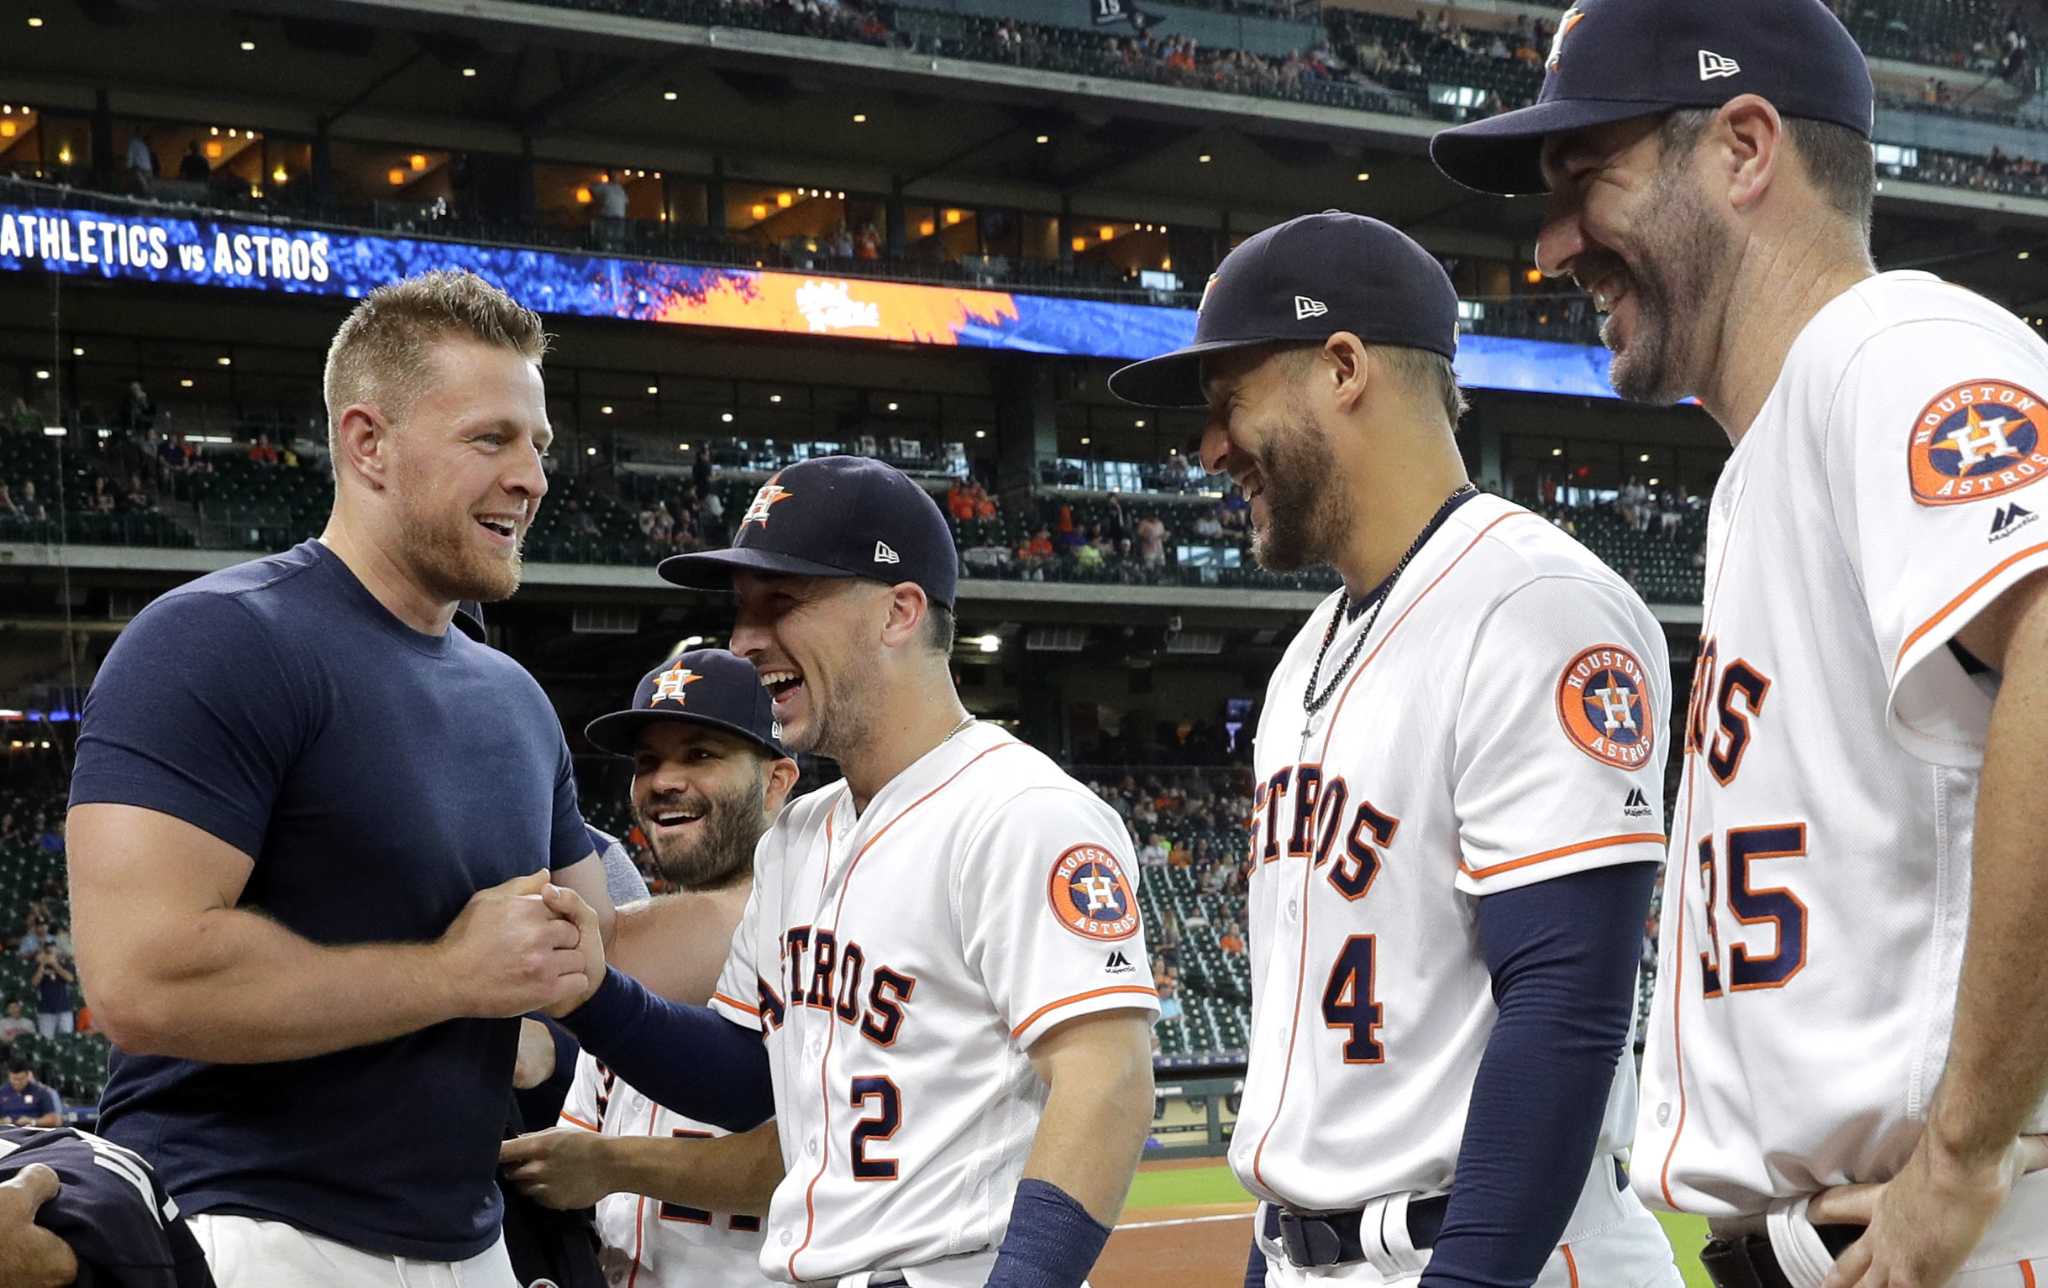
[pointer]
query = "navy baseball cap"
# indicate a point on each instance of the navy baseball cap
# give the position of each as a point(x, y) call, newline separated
point(1613, 60)
point(708, 686)
point(834, 516)
point(1304, 281)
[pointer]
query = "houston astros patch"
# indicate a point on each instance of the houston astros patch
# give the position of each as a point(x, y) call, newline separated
point(1090, 896)
point(1974, 440)
point(1603, 701)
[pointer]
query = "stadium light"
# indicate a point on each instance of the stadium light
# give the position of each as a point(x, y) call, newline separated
point(2025, 254)
point(989, 643)
point(54, 431)
point(248, 45)
point(1137, 424)
point(1086, 441)
point(668, 96)
point(77, 352)
point(1205, 158)
point(682, 447)
point(775, 398)
point(590, 451)
point(981, 433)
point(186, 383)
point(1644, 458)
point(1364, 176)
point(225, 361)
point(1045, 138)
point(35, 22)
point(860, 118)
point(654, 389)
point(44, 375)
point(725, 417)
point(606, 409)
point(1557, 451)
point(469, 73)
point(892, 406)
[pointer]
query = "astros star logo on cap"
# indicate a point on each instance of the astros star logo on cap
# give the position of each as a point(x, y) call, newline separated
point(1572, 18)
point(668, 686)
point(770, 494)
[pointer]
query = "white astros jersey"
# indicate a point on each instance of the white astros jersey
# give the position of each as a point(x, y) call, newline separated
point(1504, 726)
point(648, 1243)
point(1818, 884)
point(901, 963)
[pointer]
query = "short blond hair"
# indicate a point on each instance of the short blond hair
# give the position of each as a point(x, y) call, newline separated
point(380, 354)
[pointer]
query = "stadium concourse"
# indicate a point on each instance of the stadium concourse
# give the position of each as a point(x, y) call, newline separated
point(762, 231)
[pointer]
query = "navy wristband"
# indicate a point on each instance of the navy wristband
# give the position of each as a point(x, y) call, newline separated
point(1052, 1242)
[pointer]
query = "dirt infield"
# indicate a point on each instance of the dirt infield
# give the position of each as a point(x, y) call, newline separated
point(1196, 1246)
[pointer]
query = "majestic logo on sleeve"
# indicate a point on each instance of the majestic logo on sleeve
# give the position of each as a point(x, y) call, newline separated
point(770, 494)
point(668, 686)
point(1603, 701)
point(1978, 439)
point(1090, 896)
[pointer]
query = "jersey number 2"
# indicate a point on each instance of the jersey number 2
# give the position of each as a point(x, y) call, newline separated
point(881, 1124)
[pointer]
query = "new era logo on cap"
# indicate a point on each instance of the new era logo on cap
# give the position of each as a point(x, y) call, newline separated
point(1304, 307)
point(885, 555)
point(1713, 65)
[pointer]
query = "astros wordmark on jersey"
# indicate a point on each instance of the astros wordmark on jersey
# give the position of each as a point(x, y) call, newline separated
point(1504, 726)
point(648, 1243)
point(900, 964)
point(1818, 884)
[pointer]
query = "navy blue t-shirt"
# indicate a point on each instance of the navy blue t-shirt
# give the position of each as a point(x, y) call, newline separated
point(53, 995)
point(378, 777)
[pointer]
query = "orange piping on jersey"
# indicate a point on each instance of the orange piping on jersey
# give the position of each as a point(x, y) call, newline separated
point(2026, 1274)
point(640, 1209)
point(737, 1004)
point(825, 1060)
point(1308, 869)
point(1571, 1263)
point(1684, 887)
point(1633, 838)
point(1953, 604)
point(569, 1117)
point(1032, 1018)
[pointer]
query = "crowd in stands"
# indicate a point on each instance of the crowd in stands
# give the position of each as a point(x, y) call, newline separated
point(46, 1031)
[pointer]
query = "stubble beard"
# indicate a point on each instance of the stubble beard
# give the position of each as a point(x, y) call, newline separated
point(1306, 520)
point(1682, 269)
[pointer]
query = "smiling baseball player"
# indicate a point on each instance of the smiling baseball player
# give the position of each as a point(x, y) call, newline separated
point(937, 988)
point(1457, 818)
point(709, 776)
point(1849, 1024)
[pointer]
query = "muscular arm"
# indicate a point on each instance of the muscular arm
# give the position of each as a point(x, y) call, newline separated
point(571, 1168)
point(676, 944)
point(586, 877)
point(174, 968)
point(1099, 1069)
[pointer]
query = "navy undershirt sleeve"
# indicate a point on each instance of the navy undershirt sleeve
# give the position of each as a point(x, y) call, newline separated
point(1563, 957)
point(690, 1059)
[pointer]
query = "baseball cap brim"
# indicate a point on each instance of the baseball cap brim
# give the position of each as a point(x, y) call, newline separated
point(619, 732)
point(1504, 154)
point(713, 569)
point(1171, 379)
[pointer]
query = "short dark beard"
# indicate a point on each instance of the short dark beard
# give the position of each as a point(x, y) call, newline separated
point(1306, 520)
point(725, 854)
point(1680, 272)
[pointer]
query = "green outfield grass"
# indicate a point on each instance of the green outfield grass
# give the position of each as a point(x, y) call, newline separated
point(1184, 1186)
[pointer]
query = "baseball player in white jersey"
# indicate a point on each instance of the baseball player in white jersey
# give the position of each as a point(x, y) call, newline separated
point(1849, 1028)
point(709, 776)
point(940, 973)
point(1458, 815)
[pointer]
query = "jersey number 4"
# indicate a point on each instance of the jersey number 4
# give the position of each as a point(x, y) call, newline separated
point(1752, 905)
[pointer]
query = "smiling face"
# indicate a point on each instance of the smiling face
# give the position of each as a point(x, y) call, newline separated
point(813, 639)
point(1264, 432)
point(464, 472)
point(702, 797)
point(1631, 223)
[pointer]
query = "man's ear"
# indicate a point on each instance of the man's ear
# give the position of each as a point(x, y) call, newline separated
point(363, 441)
point(907, 611)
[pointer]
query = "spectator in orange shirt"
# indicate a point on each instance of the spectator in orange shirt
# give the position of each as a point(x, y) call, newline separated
point(1039, 547)
point(1231, 941)
point(960, 501)
point(984, 505)
point(261, 452)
